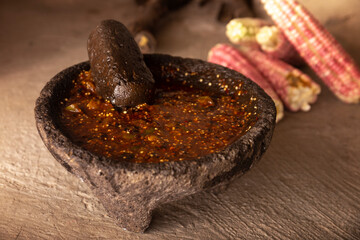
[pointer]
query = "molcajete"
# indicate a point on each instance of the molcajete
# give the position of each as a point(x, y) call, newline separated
point(129, 191)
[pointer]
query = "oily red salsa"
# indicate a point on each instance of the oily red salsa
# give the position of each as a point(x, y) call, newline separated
point(181, 124)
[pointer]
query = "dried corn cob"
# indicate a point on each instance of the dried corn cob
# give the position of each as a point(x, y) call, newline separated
point(256, 32)
point(318, 48)
point(296, 90)
point(230, 57)
point(244, 30)
point(274, 43)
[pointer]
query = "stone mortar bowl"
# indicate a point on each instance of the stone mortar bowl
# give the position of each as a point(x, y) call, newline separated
point(130, 191)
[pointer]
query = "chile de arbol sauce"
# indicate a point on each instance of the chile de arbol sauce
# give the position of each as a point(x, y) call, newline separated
point(181, 123)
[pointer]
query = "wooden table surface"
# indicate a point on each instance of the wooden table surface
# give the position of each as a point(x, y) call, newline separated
point(307, 185)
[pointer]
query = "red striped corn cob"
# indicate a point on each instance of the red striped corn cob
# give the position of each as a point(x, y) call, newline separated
point(230, 57)
point(318, 48)
point(256, 32)
point(244, 30)
point(296, 90)
point(274, 43)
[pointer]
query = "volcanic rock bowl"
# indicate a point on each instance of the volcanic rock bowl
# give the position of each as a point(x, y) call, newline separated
point(130, 191)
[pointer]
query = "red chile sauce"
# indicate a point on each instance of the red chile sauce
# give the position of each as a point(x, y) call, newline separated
point(181, 123)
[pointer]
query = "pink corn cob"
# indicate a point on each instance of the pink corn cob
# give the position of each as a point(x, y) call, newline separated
point(230, 57)
point(244, 30)
point(258, 33)
point(318, 48)
point(296, 89)
point(274, 43)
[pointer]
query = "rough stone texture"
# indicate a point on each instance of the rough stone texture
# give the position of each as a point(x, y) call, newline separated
point(131, 191)
point(118, 66)
point(305, 187)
